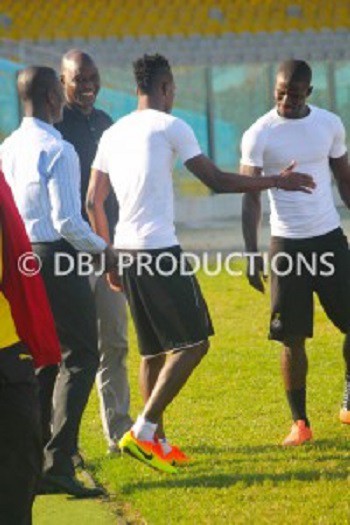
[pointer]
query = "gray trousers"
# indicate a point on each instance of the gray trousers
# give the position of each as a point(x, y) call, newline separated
point(112, 377)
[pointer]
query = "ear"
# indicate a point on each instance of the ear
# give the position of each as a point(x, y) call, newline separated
point(309, 91)
point(50, 97)
point(164, 88)
point(62, 79)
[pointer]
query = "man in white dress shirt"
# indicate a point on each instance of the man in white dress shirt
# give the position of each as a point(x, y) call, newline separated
point(305, 228)
point(43, 172)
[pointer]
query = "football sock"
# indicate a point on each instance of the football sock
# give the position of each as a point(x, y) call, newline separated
point(166, 447)
point(346, 400)
point(297, 403)
point(144, 430)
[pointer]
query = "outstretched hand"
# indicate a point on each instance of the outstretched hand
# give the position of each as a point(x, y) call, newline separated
point(290, 180)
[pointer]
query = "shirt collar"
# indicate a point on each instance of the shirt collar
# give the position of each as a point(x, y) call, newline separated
point(77, 113)
point(29, 122)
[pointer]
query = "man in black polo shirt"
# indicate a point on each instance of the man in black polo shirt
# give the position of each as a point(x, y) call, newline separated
point(82, 126)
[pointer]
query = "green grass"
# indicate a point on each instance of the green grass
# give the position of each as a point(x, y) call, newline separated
point(62, 510)
point(230, 418)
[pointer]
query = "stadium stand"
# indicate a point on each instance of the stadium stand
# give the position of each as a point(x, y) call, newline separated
point(122, 19)
point(191, 32)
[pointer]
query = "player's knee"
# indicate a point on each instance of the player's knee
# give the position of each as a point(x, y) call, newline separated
point(202, 348)
point(294, 344)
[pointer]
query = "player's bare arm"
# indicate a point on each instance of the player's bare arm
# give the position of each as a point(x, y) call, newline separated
point(341, 171)
point(251, 221)
point(98, 191)
point(222, 182)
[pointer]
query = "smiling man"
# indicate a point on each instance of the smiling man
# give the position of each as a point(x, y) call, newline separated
point(82, 126)
point(302, 226)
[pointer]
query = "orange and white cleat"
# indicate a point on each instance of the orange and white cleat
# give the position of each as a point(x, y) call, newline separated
point(299, 434)
point(176, 456)
point(344, 416)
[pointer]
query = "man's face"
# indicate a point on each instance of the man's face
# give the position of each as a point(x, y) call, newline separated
point(81, 82)
point(291, 97)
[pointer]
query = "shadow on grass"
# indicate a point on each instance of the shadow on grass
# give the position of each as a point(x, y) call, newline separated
point(322, 445)
point(243, 479)
point(212, 458)
point(316, 453)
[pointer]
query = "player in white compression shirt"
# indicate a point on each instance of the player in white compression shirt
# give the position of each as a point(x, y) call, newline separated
point(303, 227)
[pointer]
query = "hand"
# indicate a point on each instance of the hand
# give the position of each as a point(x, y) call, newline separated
point(290, 180)
point(114, 281)
point(110, 259)
point(256, 273)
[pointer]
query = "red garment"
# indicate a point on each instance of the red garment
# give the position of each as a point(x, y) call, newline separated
point(26, 294)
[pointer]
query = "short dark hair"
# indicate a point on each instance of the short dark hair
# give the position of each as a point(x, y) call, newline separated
point(148, 69)
point(295, 71)
point(34, 82)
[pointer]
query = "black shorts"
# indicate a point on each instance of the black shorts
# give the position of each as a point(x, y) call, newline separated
point(166, 304)
point(300, 267)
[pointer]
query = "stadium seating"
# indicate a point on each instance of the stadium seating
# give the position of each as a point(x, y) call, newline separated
point(66, 19)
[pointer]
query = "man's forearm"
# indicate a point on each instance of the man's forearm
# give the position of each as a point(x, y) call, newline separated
point(344, 192)
point(98, 220)
point(234, 183)
point(251, 220)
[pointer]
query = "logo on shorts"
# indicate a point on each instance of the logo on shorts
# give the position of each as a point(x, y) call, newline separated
point(276, 323)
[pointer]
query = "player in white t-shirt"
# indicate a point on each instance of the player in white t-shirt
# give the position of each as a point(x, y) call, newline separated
point(309, 252)
point(136, 156)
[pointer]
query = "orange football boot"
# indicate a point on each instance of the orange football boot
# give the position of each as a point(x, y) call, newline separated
point(344, 416)
point(176, 456)
point(299, 434)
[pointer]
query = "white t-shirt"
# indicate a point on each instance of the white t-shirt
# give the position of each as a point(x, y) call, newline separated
point(272, 143)
point(138, 152)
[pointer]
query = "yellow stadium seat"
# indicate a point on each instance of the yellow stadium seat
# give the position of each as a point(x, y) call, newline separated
point(68, 19)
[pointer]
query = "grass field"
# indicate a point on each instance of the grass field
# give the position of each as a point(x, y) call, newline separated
point(230, 418)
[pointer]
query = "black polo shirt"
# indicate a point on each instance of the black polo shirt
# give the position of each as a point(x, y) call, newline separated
point(84, 132)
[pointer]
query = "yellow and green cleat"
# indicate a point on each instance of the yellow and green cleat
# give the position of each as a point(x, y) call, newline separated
point(149, 452)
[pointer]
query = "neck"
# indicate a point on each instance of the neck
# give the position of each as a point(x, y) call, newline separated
point(148, 102)
point(304, 112)
point(86, 111)
point(39, 113)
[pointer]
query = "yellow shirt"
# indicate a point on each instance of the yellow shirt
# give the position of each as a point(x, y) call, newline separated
point(8, 332)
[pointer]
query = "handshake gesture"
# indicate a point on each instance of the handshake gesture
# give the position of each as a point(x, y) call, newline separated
point(289, 180)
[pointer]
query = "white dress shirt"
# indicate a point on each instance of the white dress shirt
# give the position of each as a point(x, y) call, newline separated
point(44, 174)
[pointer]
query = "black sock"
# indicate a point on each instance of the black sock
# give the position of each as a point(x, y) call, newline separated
point(297, 403)
point(346, 399)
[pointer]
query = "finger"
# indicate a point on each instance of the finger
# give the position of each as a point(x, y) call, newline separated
point(305, 190)
point(307, 180)
point(115, 288)
point(114, 284)
point(290, 166)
